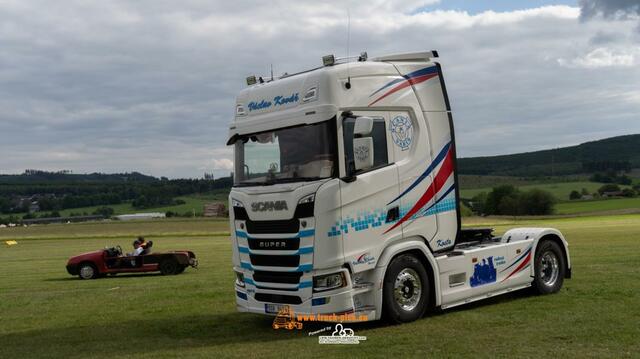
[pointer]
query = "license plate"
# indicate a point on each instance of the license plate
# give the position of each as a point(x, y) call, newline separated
point(273, 308)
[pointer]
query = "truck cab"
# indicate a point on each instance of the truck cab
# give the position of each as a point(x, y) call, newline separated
point(345, 197)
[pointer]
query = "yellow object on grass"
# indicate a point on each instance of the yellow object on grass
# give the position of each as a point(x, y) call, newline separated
point(11, 243)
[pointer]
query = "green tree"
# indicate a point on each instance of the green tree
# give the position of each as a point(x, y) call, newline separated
point(511, 205)
point(104, 211)
point(537, 202)
point(628, 192)
point(478, 203)
point(575, 195)
point(609, 188)
point(496, 196)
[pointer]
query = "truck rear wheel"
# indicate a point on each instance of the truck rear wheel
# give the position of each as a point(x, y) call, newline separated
point(405, 293)
point(549, 268)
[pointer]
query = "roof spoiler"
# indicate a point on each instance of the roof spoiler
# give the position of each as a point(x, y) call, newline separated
point(409, 56)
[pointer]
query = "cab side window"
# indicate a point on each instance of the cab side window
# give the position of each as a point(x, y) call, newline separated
point(379, 135)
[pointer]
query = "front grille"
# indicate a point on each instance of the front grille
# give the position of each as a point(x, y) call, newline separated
point(304, 210)
point(275, 261)
point(278, 298)
point(279, 244)
point(277, 277)
point(240, 214)
point(273, 227)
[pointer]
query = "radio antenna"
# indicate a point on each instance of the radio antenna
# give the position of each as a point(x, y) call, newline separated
point(271, 72)
point(348, 84)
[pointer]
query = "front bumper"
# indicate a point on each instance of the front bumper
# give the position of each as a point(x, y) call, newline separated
point(338, 305)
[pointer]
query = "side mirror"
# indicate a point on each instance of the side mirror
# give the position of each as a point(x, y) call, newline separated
point(363, 143)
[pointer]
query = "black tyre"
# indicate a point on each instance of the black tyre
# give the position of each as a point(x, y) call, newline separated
point(169, 266)
point(181, 269)
point(88, 271)
point(405, 294)
point(549, 268)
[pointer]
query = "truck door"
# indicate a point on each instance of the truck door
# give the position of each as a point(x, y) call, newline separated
point(367, 213)
point(411, 144)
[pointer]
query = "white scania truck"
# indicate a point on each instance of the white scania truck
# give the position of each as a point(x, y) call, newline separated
point(345, 198)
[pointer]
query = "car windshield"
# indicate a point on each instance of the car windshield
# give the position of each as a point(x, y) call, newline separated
point(294, 154)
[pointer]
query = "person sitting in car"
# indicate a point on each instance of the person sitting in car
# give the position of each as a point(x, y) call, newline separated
point(138, 248)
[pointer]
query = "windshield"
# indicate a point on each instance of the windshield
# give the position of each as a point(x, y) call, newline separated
point(301, 153)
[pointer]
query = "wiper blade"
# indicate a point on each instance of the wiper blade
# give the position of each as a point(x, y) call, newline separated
point(249, 184)
point(295, 179)
point(279, 180)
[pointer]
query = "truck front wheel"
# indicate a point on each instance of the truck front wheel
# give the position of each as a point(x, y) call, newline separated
point(549, 268)
point(405, 293)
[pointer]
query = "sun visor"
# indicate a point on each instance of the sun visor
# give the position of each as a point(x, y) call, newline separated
point(280, 119)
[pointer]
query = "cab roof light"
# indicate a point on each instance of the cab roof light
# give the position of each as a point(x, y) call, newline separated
point(328, 60)
point(251, 80)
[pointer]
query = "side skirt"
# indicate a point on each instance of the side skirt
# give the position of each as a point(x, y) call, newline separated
point(485, 296)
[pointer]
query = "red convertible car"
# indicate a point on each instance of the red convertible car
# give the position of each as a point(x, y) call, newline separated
point(112, 261)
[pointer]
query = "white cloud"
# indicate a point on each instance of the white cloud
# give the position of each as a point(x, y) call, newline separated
point(150, 85)
point(601, 57)
point(223, 164)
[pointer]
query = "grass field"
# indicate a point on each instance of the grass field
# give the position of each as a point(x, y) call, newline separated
point(46, 313)
point(576, 207)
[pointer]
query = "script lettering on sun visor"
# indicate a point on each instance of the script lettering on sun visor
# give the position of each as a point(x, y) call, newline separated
point(277, 101)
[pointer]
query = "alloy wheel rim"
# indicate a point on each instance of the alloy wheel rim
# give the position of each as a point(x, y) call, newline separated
point(407, 289)
point(549, 268)
point(86, 272)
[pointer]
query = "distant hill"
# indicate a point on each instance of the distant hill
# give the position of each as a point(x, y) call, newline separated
point(615, 153)
point(39, 177)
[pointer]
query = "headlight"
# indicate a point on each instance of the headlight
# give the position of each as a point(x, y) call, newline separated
point(329, 281)
point(240, 279)
point(236, 203)
point(307, 199)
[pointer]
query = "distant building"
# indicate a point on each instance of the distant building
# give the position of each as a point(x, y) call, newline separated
point(34, 207)
point(129, 217)
point(214, 210)
point(586, 197)
point(612, 194)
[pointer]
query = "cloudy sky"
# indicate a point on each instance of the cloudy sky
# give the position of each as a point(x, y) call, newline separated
point(149, 85)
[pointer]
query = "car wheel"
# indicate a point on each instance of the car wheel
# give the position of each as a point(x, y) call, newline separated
point(549, 268)
point(169, 266)
point(87, 271)
point(181, 269)
point(405, 293)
